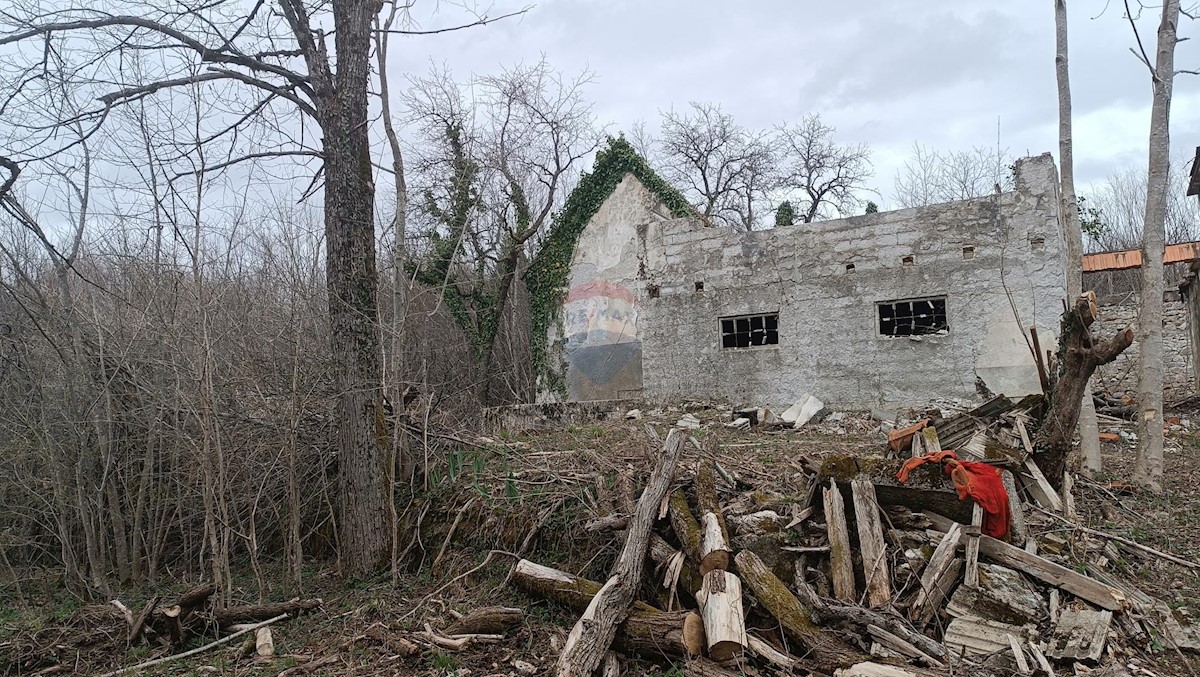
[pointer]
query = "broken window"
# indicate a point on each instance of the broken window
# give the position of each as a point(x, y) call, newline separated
point(746, 331)
point(913, 317)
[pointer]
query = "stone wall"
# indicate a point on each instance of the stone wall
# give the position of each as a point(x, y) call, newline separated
point(1120, 376)
point(998, 261)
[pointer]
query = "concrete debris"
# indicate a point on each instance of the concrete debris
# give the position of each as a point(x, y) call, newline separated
point(633, 414)
point(688, 422)
point(524, 668)
point(739, 424)
point(802, 411)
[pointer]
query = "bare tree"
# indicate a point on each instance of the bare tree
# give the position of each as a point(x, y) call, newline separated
point(492, 171)
point(283, 53)
point(1116, 208)
point(723, 168)
point(930, 176)
point(1089, 428)
point(1148, 467)
point(819, 176)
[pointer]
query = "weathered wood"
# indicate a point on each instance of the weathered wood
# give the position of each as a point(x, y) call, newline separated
point(980, 636)
point(940, 591)
point(721, 609)
point(1019, 655)
point(971, 575)
point(870, 544)
point(1044, 570)
point(1016, 514)
point(714, 548)
point(1002, 595)
point(491, 620)
point(196, 596)
point(862, 616)
point(1080, 635)
point(765, 651)
point(1041, 659)
point(592, 635)
point(139, 623)
point(663, 553)
point(840, 561)
point(793, 617)
point(705, 489)
point(902, 646)
point(1040, 488)
point(871, 669)
point(646, 631)
point(929, 597)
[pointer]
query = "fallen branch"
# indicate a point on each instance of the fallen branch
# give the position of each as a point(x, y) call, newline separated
point(224, 640)
point(1125, 541)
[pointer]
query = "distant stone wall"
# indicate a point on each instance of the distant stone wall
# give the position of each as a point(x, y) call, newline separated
point(1120, 376)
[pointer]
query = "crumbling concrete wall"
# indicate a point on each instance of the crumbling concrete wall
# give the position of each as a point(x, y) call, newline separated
point(1120, 376)
point(682, 276)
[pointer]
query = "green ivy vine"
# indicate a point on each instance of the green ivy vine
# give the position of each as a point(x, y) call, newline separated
point(548, 275)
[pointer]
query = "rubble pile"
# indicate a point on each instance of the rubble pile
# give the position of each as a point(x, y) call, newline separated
point(882, 566)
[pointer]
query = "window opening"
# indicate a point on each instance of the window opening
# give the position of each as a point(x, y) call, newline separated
point(913, 317)
point(849, 267)
point(909, 261)
point(747, 331)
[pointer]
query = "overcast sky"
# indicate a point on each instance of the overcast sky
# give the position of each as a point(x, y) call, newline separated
point(939, 72)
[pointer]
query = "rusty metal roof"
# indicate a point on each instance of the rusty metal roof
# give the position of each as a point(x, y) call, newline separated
point(1132, 258)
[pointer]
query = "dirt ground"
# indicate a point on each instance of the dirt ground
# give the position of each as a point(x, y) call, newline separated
point(534, 490)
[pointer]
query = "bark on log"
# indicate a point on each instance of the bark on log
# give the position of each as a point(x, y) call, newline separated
point(724, 621)
point(683, 523)
point(491, 620)
point(197, 596)
point(794, 618)
point(647, 631)
point(705, 488)
point(261, 612)
point(592, 635)
point(1080, 354)
point(661, 553)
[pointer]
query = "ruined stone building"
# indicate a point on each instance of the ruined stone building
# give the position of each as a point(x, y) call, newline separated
point(636, 297)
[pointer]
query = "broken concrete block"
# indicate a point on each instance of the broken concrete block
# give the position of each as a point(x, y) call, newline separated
point(739, 424)
point(750, 414)
point(767, 417)
point(1002, 595)
point(633, 414)
point(802, 411)
point(688, 422)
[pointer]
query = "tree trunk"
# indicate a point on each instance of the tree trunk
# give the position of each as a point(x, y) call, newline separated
point(1148, 468)
point(353, 306)
point(1080, 357)
point(1089, 429)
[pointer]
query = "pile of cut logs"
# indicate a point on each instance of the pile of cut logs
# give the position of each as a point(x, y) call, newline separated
point(860, 575)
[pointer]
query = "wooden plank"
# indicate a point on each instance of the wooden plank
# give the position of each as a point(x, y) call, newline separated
point(840, 560)
point(1002, 595)
point(1080, 635)
point(870, 544)
point(901, 646)
point(1016, 512)
point(1044, 570)
point(1040, 488)
point(931, 440)
point(928, 598)
point(1019, 654)
point(972, 575)
point(1041, 659)
point(1068, 497)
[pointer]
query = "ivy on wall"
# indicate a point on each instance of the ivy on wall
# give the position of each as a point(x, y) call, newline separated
point(547, 277)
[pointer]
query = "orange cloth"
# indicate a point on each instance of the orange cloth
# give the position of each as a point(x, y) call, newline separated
point(982, 482)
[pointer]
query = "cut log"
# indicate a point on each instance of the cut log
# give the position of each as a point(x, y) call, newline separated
point(714, 548)
point(794, 618)
point(683, 523)
point(870, 544)
point(1042, 569)
point(647, 631)
point(840, 560)
point(196, 596)
point(492, 620)
point(930, 596)
point(594, 632)
point(721, 608)
point(260, 612)
point(705, 488)
point(139, 623)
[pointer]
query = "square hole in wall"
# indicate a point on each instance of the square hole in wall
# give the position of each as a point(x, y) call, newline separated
point(913, 317)
point(1037, 244)
point(746, 331)
point(909, 260)
point(699, 286)
point(849, 267)
point(653, 290)
point(968, 253)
